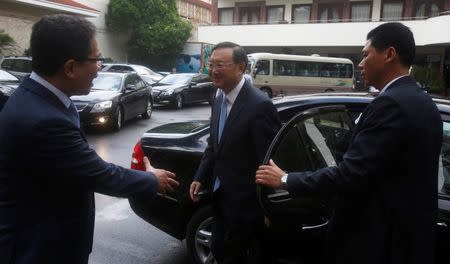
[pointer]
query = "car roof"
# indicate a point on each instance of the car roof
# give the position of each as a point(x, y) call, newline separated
point(122, 74)
point(443, 104)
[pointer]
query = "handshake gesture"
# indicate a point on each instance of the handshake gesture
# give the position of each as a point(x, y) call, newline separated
point(166, 179)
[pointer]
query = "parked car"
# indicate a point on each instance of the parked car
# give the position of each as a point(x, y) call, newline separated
point(179, 89)
point(7, 78)
point(315, 134)
point(114, 98)
point(18, 66)
point(145, 73)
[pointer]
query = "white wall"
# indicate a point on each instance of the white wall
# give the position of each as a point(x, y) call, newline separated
point(426, 32)
point(111, 44)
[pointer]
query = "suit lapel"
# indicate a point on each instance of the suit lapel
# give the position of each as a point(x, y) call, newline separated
point(237, 107)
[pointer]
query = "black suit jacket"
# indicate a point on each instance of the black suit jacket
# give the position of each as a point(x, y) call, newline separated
point(48, 176)
point(250, 127)
point(386, 185)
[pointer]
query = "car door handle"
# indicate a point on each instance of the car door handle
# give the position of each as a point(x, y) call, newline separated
point(279, 197)
point(312, 227)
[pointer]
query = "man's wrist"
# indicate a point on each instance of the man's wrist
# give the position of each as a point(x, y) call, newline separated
point(284, 181)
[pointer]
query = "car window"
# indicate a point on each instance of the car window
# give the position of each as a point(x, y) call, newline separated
point(107, 82)
point(444, 161)
point(131, 79)
point(140, 83)
point(21, 65)
point(316, 142)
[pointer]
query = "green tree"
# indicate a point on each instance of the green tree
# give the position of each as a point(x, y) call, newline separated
point(7, 43)
point(157, 33)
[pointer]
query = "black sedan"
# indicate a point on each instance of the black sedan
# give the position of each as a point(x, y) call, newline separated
point(114, 98)
point(183, 88)
point(8, 84)
point(316, 133)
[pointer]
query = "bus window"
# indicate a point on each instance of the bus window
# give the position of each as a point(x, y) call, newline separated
point(284, 68)
point(262, 67)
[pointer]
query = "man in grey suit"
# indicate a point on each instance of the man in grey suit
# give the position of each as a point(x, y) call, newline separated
point(243, 123)
point(385, 188)
point(48, 172)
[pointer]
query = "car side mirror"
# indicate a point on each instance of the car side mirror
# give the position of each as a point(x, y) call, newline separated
point(131, 87)
point(254, 72)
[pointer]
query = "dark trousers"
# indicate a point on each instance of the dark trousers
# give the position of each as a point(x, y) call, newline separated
point(234, 241)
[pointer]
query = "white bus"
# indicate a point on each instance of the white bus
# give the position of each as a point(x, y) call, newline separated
point(277, 74)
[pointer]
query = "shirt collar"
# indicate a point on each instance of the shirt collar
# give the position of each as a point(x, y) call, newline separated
point(387, 85)
point(62, 96)
point(232, 95)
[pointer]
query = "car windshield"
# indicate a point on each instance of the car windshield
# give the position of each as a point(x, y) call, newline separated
point(7, 77)
point(107, 82)
point(176, 79)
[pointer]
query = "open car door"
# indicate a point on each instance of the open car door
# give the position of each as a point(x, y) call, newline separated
point(313, 139)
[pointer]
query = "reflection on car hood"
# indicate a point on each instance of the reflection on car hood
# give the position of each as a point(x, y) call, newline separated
point(162, 87)
point(96, 96)
point(177, 130)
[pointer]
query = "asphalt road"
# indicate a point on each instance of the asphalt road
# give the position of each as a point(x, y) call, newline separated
point(120, 236)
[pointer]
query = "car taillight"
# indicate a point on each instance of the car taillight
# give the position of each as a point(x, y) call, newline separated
point(137, 160)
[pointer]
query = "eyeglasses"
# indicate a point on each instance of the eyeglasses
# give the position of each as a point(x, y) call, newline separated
point(98, 60)
point(219, 66)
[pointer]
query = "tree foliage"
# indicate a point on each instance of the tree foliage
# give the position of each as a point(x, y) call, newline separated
point(157, 33)
point(7, 43)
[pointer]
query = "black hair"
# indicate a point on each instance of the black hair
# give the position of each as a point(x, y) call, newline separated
point(394, 35)
point(239, 54)
point(56, 39)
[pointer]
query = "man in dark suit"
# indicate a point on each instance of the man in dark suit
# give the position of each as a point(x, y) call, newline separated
point(386, 186)
point(244, 122)
point(48, 172)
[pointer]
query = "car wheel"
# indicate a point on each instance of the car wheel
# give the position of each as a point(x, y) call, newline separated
point(179, 101)
point(198, 236)
point(267, 91)
point(148, 110)
point(329, 90)
point(118, 119)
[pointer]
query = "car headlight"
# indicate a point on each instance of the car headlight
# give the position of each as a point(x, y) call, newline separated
point(101, 107)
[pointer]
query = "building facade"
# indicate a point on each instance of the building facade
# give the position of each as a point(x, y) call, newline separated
point(331, 27)
point(18, 16)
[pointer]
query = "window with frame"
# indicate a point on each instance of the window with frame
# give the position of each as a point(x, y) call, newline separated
point(392, 10)
point(226, 16)
point(301, 13)
point(317, 142)
point(361, 11)
point(275, 14)
point(423, 9)
point(306, 69)
point(329, 13)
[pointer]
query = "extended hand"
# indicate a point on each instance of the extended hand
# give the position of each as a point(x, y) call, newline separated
point(193, 191)
point(269, 175)
point(166, 179)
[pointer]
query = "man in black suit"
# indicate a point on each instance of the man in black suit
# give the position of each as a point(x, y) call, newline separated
point(235, 149)
point(48, 172)
point(385, 188)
